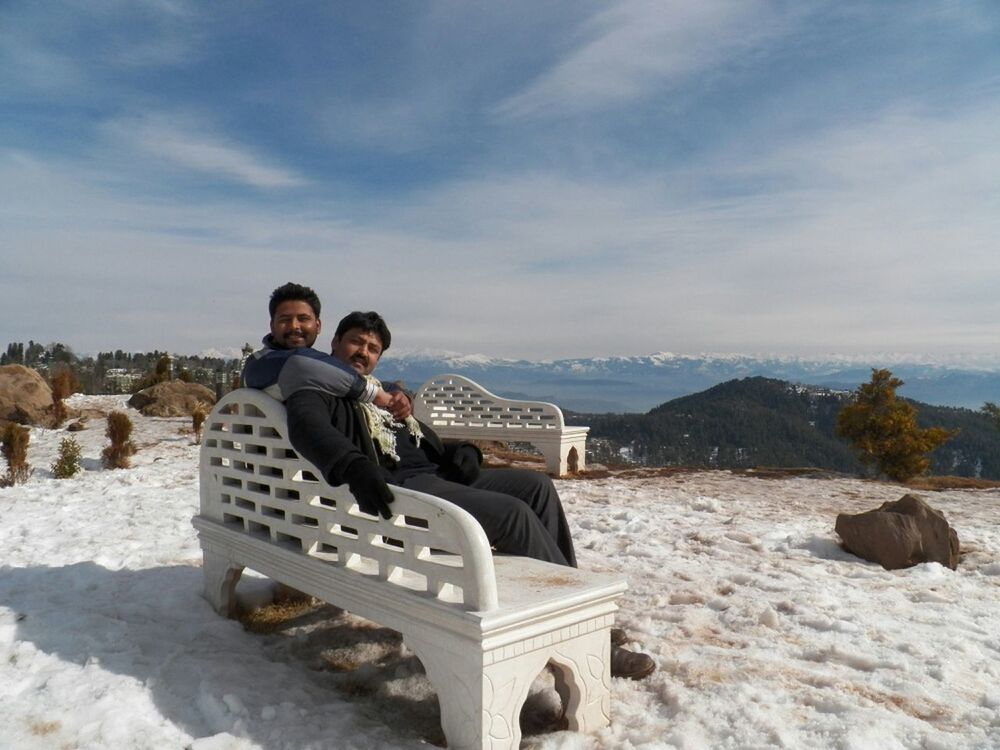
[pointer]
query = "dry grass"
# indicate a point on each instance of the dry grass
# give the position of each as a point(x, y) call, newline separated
point(497, 454)
point(287, 607)
point(784, 472)
point(942, 483)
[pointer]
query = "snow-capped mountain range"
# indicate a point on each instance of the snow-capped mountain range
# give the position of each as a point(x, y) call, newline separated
point(638, 383)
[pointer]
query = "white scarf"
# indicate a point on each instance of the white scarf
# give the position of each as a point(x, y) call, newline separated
point(382, 425)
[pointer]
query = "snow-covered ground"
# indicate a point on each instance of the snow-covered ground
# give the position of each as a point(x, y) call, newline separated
point(766, 633)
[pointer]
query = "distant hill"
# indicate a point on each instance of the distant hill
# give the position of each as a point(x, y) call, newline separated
point(636, 384)
point(761, 421)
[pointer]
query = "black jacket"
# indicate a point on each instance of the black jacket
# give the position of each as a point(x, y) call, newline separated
point(331, 433)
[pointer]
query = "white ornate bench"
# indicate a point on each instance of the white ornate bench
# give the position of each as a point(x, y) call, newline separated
point(458, 408)
point(482, 626)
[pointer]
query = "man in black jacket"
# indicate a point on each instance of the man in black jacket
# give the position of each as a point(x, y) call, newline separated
point(352, 442)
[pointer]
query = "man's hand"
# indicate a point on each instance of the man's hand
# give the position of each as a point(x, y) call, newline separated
point(399, 406)
point(369, 489)
point(466, 464)
point(396, 403)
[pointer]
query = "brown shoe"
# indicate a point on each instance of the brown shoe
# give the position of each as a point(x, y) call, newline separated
point(630, 664)
point(619, 637)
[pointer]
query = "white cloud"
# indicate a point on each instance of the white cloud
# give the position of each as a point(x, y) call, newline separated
point(193, 146)
point(635, 47)
point(872, 235)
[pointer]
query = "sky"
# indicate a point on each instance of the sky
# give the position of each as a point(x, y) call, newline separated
point(517, 179)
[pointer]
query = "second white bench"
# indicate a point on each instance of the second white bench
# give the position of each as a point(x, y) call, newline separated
point(461, 409)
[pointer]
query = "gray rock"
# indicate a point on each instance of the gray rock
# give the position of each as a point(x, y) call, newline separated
point(172, 399)
point(25, 397)
point(900, 534)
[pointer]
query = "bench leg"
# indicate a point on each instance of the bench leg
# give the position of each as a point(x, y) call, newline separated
point(554, 463)
point(221, 576)
point(582, 669)
point(480, 705)
point(557, 456)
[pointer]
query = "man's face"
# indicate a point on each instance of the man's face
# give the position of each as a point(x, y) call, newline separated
point(294, 324)
point(358, 348)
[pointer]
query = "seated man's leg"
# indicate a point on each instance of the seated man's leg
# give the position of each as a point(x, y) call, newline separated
point(509, 523)
point(537, 490)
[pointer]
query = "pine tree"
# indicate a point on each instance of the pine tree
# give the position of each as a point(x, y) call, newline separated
point(883, 430)
point(67, 462)
point(993, 411)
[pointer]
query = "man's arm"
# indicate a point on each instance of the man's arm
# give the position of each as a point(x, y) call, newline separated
point(282, 372)
point(278, 372)
point(312, 432)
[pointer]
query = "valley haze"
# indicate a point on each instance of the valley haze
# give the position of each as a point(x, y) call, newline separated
point(639, 383)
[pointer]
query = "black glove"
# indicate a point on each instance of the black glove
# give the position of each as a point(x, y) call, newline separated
point(465, 463)
point(369, 488)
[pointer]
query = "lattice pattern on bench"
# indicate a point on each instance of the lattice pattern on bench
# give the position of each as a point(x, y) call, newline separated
point(253, 482)
point(453, 400)
point(461, 409)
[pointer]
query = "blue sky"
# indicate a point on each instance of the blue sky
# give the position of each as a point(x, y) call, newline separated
point(518, 179)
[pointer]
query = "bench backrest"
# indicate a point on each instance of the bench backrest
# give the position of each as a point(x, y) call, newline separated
point(253, 481)
point(456, 401)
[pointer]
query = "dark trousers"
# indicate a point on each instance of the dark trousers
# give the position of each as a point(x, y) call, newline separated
point(519, 510)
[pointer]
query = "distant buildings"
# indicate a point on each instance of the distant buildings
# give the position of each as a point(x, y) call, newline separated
point(118, 371)
point(120, 380)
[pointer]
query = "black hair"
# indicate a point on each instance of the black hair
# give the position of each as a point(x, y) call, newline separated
point(369, 321)
point(292, 291)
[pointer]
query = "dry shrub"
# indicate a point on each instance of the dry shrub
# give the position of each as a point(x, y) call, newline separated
point(15, 451)
point(67, 462)
point(63, 383)
point(119, 432)
point(198, 417)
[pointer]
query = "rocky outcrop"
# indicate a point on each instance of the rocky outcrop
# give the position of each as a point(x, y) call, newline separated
point(900, 534)
point(172, 399)
point(25, 397)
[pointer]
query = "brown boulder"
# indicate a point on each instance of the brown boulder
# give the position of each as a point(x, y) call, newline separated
point(173, 399)
point(25, 397)
point(900, 534)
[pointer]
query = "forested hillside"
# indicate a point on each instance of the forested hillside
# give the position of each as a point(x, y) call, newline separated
point(766, 422)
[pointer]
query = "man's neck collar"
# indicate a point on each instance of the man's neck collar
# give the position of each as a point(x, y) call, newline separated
point(270, 343)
